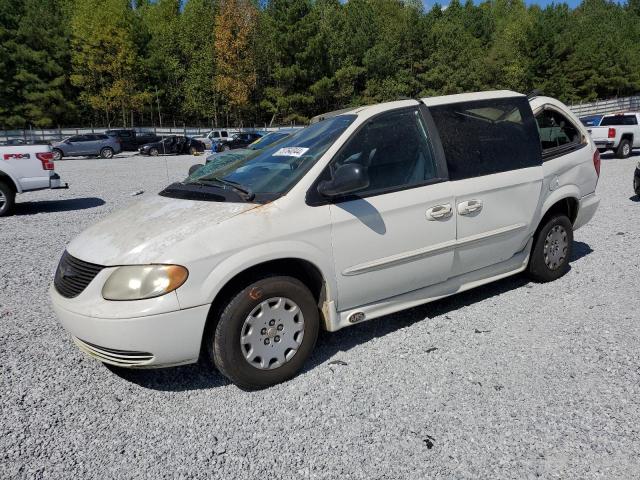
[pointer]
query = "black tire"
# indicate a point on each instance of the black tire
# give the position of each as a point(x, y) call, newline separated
point(154, 152)
point(106, 152)
point(624, 149)
point(57, 154)
point(544, 266)
point(7, 199)
point(636, 183)
point(223, 344)
point(193, 150)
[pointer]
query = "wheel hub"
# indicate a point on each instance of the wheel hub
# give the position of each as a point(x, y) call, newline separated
point(272, 333)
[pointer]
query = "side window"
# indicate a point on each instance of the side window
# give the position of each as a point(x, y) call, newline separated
point(557, 133)
point(487, 136)
point(216, 135)
point(125, 133)
point(396, 150)
point(225, 134)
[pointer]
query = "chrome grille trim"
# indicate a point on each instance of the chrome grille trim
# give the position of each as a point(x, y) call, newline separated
point(120, 358)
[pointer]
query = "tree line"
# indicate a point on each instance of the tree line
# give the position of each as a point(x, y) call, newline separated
point(243, 62)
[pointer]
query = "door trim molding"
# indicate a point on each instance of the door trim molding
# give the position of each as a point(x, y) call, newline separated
point(420, 253)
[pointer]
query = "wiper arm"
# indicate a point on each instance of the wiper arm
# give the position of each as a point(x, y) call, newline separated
point(246, 192)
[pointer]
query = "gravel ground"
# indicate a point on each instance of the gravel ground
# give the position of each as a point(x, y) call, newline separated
point(511, 380)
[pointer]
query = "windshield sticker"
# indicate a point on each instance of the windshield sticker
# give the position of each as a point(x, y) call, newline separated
point(291, 152)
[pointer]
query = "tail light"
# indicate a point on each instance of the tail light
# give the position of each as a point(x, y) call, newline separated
point(596, 161)
point(47, 160)
point(612, 133)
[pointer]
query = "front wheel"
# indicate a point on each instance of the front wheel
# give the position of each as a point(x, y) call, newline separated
point(192, 150)
point(265, 333)
point(7, 199)
point(624, 149)
point(57, 154)
point(154, 152)
point(551, 250)
point(106, 152)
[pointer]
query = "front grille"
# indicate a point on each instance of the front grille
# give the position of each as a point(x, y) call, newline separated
point(120, 358)
point(73, 275)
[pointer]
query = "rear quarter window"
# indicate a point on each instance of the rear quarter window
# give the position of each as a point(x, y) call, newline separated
point(487, 136)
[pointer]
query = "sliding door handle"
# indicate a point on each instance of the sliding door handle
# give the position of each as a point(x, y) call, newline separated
point(469, 207)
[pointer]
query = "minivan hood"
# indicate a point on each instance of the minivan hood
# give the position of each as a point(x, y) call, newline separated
point(145, 231)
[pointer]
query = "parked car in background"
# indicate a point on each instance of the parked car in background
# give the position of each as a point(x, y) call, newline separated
point(619, 132)
point(239, 140)
point(130, 140)
point(173, 145)
point(360, 215)
point(224, 158)
point(214, 136)
point(25, 169)
point(591, 120)
point(85, 145)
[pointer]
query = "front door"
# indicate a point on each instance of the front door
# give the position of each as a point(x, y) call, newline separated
point(398, 234)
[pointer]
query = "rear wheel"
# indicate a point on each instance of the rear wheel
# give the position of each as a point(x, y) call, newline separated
point(265, 333)
point(154, 152)
point(624, 149)
point(551, 250)
point(7, 199)
point(57, 154)
point(192, 150)
point(106, 152)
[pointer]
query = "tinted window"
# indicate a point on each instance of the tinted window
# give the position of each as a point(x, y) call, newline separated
point(216, 135)
point(79, 138)
point(102, 137)
point(396, 150)
point(225, 134)
point(619, 120)
point(556, 131)
point(488, 136)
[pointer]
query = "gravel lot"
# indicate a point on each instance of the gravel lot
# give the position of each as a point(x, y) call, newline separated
point(511, 380)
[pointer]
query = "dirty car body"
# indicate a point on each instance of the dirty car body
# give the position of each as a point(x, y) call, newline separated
point(357, 216)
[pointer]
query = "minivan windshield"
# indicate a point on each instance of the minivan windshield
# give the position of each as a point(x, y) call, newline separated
point(271, 172)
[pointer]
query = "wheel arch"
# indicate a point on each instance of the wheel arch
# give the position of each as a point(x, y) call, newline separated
point(9, 180)
point(565, 201)
point(627, 136)
point(302, 269)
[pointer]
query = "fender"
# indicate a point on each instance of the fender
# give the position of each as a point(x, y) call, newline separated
point(565, 191)
point(255, 255)
point(6, 170)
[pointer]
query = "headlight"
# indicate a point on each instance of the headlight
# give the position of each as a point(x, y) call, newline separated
point(138, 282)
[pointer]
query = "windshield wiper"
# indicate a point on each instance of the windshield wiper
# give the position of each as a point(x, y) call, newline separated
point(246, 192)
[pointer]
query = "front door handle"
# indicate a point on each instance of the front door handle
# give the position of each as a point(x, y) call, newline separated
point(469, 207)
point(439, 211)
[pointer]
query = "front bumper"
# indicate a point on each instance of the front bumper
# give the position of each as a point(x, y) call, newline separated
point(586, 210)
point(157, 340)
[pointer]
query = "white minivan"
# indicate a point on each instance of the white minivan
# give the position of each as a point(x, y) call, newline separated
point(363, 213)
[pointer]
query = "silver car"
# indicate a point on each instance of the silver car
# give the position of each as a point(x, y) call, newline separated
point(89, 144)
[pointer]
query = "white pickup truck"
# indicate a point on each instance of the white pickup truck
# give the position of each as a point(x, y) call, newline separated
point(25, 168)
point(619, 132)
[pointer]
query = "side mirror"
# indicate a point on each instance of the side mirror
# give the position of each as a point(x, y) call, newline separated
point(348, 178)
point(194, 168)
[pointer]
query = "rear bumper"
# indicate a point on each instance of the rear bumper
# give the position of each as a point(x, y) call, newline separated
point(55, 183)
point(604, 144)
point(586, 210)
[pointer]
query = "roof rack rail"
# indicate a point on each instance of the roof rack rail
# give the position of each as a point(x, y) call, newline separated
point(536, 92)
